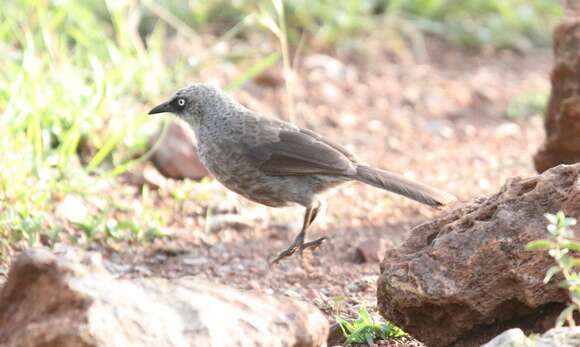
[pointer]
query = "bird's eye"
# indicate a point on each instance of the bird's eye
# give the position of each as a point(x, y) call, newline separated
point(181, 102)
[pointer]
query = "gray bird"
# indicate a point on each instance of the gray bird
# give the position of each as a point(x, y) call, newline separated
point(276, 163)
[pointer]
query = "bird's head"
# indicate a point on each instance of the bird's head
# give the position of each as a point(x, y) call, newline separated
point(195, 102)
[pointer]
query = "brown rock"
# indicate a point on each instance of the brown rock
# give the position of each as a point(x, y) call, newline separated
point(63, 301)
point(572, 8)
point(335, 335)
point(176, 155)
point(145, 175)
point(466, 276)
point(270, 78)
point(371, 251)
point(562, 124)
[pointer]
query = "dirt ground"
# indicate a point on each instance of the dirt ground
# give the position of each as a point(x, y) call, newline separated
point(441, 121)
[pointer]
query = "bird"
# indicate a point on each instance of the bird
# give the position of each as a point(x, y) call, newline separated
point(276, 163)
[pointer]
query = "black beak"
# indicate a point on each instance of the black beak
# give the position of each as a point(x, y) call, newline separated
point(164, 107)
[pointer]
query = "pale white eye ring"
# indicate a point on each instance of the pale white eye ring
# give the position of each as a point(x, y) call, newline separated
point(181, 102)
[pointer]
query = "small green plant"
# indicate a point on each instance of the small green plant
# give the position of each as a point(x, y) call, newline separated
point(499, 23)
point(365, 330)
point(527, 105)
point(559, 248)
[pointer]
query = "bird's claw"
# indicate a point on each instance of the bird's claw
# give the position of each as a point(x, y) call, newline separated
point(286, 253)
point(299, 247)
point(312, 244)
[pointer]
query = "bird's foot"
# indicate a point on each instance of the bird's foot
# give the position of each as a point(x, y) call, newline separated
point(298, 245)
point(286, 253)
point(313, 244)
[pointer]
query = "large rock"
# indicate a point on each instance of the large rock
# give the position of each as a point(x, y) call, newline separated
point(466, 276)
point(65, 302)
point(562, 124)
point(176, 154)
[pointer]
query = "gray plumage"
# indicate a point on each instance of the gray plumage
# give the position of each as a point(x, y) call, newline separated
point(275, 163)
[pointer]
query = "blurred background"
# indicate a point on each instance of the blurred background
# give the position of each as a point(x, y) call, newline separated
point(448, 92)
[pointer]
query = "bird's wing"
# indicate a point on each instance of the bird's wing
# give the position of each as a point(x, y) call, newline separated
point(301, 152)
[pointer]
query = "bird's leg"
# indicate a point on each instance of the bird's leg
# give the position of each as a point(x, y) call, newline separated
point(318, 241)
point(305, 248)
point(298, 240)
point(298, 244)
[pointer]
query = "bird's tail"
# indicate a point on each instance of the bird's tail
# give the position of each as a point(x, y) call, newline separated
point(403, 186)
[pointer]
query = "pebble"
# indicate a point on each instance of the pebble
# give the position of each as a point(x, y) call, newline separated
point(362, 284)
point(73, 209)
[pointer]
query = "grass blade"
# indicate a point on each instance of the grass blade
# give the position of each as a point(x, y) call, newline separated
point(261, 66)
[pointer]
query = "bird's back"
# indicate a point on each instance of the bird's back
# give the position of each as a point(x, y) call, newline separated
point(235, 156)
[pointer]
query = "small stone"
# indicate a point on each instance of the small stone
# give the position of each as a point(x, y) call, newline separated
point(221, 222)
point(330, 92)
point(292, 294)
point(362, 284)
point(439, 128)
point(142, 270)
point(348, 120)
point(508, 130)
point(225, 206)
point(557, 337)
point(73, 209)
point(197, 261)
point(332, 67)
point(371, 251)
point(484, 184)
point(117, 268)
point(560, 337)
point(147, 175)
point(512, 337)
point(176, 155)
point(270, 78)
point(252, 284)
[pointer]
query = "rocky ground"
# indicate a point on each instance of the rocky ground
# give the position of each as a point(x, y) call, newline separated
point(442, 121)
point(457, 120)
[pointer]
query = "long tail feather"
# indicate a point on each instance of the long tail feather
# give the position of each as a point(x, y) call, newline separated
point(400, 185)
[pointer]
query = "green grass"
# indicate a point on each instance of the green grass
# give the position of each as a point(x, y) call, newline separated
point(75, 83)
point(562, 246)
point(527, 105)
point(499, 23)
point(72, 103)
point(472, 23)
point(364, 329)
